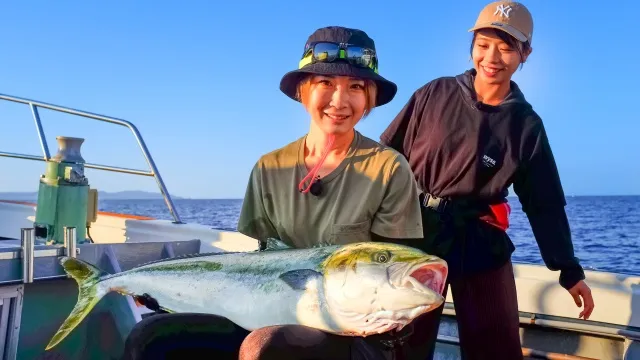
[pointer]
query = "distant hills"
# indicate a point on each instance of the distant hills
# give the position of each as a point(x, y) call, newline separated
point(102, 195)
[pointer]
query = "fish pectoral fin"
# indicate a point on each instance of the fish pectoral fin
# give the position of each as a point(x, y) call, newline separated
point(150, 303)
point(299, 279)
point(169, 311)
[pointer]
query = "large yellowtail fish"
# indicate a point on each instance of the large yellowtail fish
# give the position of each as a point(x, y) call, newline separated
point(354, 290)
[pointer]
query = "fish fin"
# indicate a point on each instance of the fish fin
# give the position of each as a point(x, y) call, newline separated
point(276, 244)
point(87, 276)
point(298, 279)
point(150, 303)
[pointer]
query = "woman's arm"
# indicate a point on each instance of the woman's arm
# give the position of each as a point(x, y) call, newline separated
point(539, 189)
point(400, 133)
point(254, 220)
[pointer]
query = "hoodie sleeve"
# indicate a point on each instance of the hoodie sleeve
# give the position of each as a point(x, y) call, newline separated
point(540, 192)
point(401, 132)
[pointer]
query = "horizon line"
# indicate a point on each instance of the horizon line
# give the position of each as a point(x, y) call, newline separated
point(510, 196)
point(181, 197)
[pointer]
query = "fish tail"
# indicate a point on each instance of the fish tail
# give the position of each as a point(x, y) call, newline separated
point(88, 277)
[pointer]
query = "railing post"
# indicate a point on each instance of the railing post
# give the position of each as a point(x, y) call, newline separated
point(70, 241)
point(27, 238)
point(43, 139)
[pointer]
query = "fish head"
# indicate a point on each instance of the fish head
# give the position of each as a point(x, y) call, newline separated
point(375, 287)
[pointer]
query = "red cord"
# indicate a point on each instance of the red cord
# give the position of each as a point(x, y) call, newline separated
point(312, 174)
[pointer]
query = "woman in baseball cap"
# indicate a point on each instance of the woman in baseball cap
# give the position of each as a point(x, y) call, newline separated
point(331, 186)
point(470, 137)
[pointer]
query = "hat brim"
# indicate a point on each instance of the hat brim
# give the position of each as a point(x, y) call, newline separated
point(504, 27)
point(289, 82)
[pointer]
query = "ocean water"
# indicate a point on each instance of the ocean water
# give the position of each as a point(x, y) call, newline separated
point(605, 229)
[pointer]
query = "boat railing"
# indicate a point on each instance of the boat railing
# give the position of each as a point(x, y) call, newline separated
point(153, 172)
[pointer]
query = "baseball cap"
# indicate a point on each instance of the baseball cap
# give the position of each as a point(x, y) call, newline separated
point(509, 16)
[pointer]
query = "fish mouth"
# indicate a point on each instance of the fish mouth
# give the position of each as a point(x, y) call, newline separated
point(431, 276)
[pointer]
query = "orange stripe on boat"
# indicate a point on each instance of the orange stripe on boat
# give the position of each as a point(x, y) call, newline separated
point(104, 213)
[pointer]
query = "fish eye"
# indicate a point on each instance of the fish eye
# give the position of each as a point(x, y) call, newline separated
point(382, 257)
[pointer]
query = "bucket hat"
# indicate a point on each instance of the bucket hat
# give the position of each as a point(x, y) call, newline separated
point(336, 50)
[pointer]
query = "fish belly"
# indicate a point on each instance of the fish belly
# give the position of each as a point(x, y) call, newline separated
point(249, 301)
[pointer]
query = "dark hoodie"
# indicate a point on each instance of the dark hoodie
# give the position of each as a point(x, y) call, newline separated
point(462, 149)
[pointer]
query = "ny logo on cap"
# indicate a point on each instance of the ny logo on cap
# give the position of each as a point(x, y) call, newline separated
point(503, 10)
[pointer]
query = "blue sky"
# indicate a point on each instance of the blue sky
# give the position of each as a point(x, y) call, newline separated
point(200, 80)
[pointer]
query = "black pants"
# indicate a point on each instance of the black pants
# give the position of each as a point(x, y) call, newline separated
point(202, 336)
point(485, 299)
point(184, 336)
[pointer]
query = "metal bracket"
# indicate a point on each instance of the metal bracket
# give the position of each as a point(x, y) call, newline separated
point(70, 241)
point(27, 237)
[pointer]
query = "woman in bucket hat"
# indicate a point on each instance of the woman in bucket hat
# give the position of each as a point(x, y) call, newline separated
point(469, 138)
point(332, 185)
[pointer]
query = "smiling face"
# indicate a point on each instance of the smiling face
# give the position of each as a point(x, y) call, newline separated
point(496, 56)
point(337, 103)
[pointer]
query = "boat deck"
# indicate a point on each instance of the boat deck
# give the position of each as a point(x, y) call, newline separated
point(36, 295)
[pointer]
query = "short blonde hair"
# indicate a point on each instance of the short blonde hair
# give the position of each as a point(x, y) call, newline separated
point(370, 93)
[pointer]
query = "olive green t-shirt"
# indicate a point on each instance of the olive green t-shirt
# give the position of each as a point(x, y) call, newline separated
point(372, 190)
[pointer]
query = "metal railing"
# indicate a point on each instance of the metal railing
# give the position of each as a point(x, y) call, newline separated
point(34, 105)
